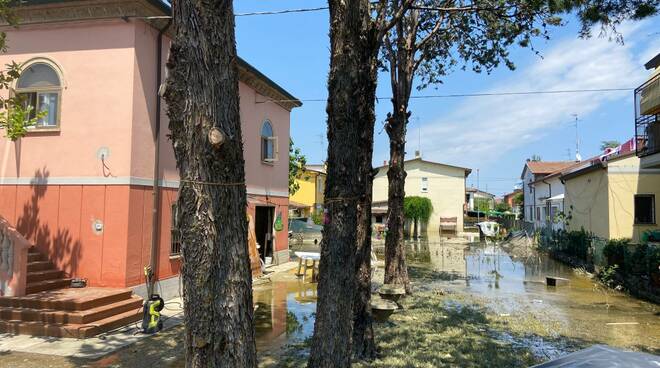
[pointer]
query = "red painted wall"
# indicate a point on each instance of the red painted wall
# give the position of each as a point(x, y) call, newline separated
point(59, 220)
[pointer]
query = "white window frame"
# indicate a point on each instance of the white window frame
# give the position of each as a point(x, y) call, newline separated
point(424, 185)
point(43, 90)
point(272, 140)
point(653, 214)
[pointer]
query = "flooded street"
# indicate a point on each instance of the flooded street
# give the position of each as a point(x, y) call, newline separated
point(510, 279)
point(507, 278)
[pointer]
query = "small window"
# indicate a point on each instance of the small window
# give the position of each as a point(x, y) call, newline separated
point(645, 209)
point(268, 143)
point(379, 219)
point(40, 88)
point(425, 185)
point(538, 213)
point(175, 245)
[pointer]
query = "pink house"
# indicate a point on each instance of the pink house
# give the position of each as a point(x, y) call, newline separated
point(79, 186)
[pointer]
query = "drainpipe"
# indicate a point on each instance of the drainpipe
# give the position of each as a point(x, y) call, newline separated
point(153, 262)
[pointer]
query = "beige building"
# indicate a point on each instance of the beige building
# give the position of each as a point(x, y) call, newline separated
point(612, 198)
point(443, 184)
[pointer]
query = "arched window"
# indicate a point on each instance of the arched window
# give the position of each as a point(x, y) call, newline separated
point(268, 143)
point(40, 87)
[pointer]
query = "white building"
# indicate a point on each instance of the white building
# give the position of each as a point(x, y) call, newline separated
point(472, 194)
point(543, 192)
point(443, 184)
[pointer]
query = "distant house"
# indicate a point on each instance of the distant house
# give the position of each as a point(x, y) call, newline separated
point(647, 117)
point(309, 197)
point(443, 184)
point(613, 197)
point(509, 199)
point(473, 196)
point(543, 191)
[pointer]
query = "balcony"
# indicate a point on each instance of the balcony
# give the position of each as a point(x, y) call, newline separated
point(647, 117)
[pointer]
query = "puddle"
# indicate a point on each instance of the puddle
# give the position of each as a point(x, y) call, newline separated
point(285, 312)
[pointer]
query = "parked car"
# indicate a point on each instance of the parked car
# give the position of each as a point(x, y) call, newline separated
point(303, 229)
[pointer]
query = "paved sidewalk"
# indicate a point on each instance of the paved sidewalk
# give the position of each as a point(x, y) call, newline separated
point(109, 342)
point(91, 348)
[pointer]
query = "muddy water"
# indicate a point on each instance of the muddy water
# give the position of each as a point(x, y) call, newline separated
point(284, 312)
point(511, 279)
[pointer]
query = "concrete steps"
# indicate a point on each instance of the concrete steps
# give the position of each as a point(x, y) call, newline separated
point(78, 313)
point(51, 308)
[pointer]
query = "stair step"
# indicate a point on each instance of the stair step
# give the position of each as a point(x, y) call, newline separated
point(34, 257)
point(44, 275)
point(35, 287)
point(39, 266)
point(70, 330)
point(52, 316)
point(69, 299)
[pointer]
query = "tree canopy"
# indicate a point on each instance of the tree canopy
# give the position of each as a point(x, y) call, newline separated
point(297, 163)
point(417, 208)
point(609, 144)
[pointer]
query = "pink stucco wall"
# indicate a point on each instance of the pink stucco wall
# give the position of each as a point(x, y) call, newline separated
point(95, 60)
point(54, 186)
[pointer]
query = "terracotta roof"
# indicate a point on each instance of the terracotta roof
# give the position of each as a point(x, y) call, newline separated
point(547, 167)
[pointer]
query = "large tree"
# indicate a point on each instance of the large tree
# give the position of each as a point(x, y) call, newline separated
point(343, 319)
point(203, 108)
point(436, 36)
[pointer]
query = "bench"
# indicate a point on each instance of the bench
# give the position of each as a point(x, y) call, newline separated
point(303, 258)
point(449, 223)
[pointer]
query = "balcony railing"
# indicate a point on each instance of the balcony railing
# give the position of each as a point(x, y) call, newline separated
point(647, 117)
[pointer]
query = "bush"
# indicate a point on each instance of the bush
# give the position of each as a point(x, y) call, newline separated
point(616, 252)
point(571, 243)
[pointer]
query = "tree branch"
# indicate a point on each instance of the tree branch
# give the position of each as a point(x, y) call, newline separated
point(383, 27)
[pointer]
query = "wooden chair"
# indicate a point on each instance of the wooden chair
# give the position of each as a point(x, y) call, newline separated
point(449, 223)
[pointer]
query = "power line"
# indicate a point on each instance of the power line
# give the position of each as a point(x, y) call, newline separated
point(493, 94)
point(285, 11)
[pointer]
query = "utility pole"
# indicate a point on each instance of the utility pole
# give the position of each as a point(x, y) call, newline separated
point(577, 139)
point(475, 195)
point(323, 152)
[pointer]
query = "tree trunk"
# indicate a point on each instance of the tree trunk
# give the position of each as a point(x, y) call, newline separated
point(364, 346)
point(202, 94)
point(415, 229)
point(396, 271)
point(333, 328)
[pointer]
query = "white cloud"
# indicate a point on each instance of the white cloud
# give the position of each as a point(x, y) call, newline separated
point(484, 129)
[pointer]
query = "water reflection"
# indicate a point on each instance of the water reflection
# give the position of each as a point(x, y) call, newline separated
point(284, 312)
point(511, 276)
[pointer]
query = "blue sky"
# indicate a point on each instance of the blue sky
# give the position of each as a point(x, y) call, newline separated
point(492, 134)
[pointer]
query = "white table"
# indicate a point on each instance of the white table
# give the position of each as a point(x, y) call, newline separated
point(303, 258)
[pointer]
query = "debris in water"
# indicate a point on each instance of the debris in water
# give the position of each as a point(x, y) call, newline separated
point(556, 281)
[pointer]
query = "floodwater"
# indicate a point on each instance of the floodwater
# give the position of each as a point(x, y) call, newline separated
point(509, 277)
point(284, 313)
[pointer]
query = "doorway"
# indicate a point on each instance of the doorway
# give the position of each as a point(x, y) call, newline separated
point(263, 228)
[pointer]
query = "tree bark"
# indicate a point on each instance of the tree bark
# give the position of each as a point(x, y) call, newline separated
point(202, 93)
point(364, 346)
point(402, 67)
point(333, 328)
point(396, 271)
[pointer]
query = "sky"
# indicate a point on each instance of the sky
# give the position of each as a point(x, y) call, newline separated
point(492, 135)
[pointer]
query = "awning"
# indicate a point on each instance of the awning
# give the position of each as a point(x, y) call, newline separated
point(557, 198)
point(297, 206)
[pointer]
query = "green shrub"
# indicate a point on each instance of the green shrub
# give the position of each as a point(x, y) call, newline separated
point(616, 253)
